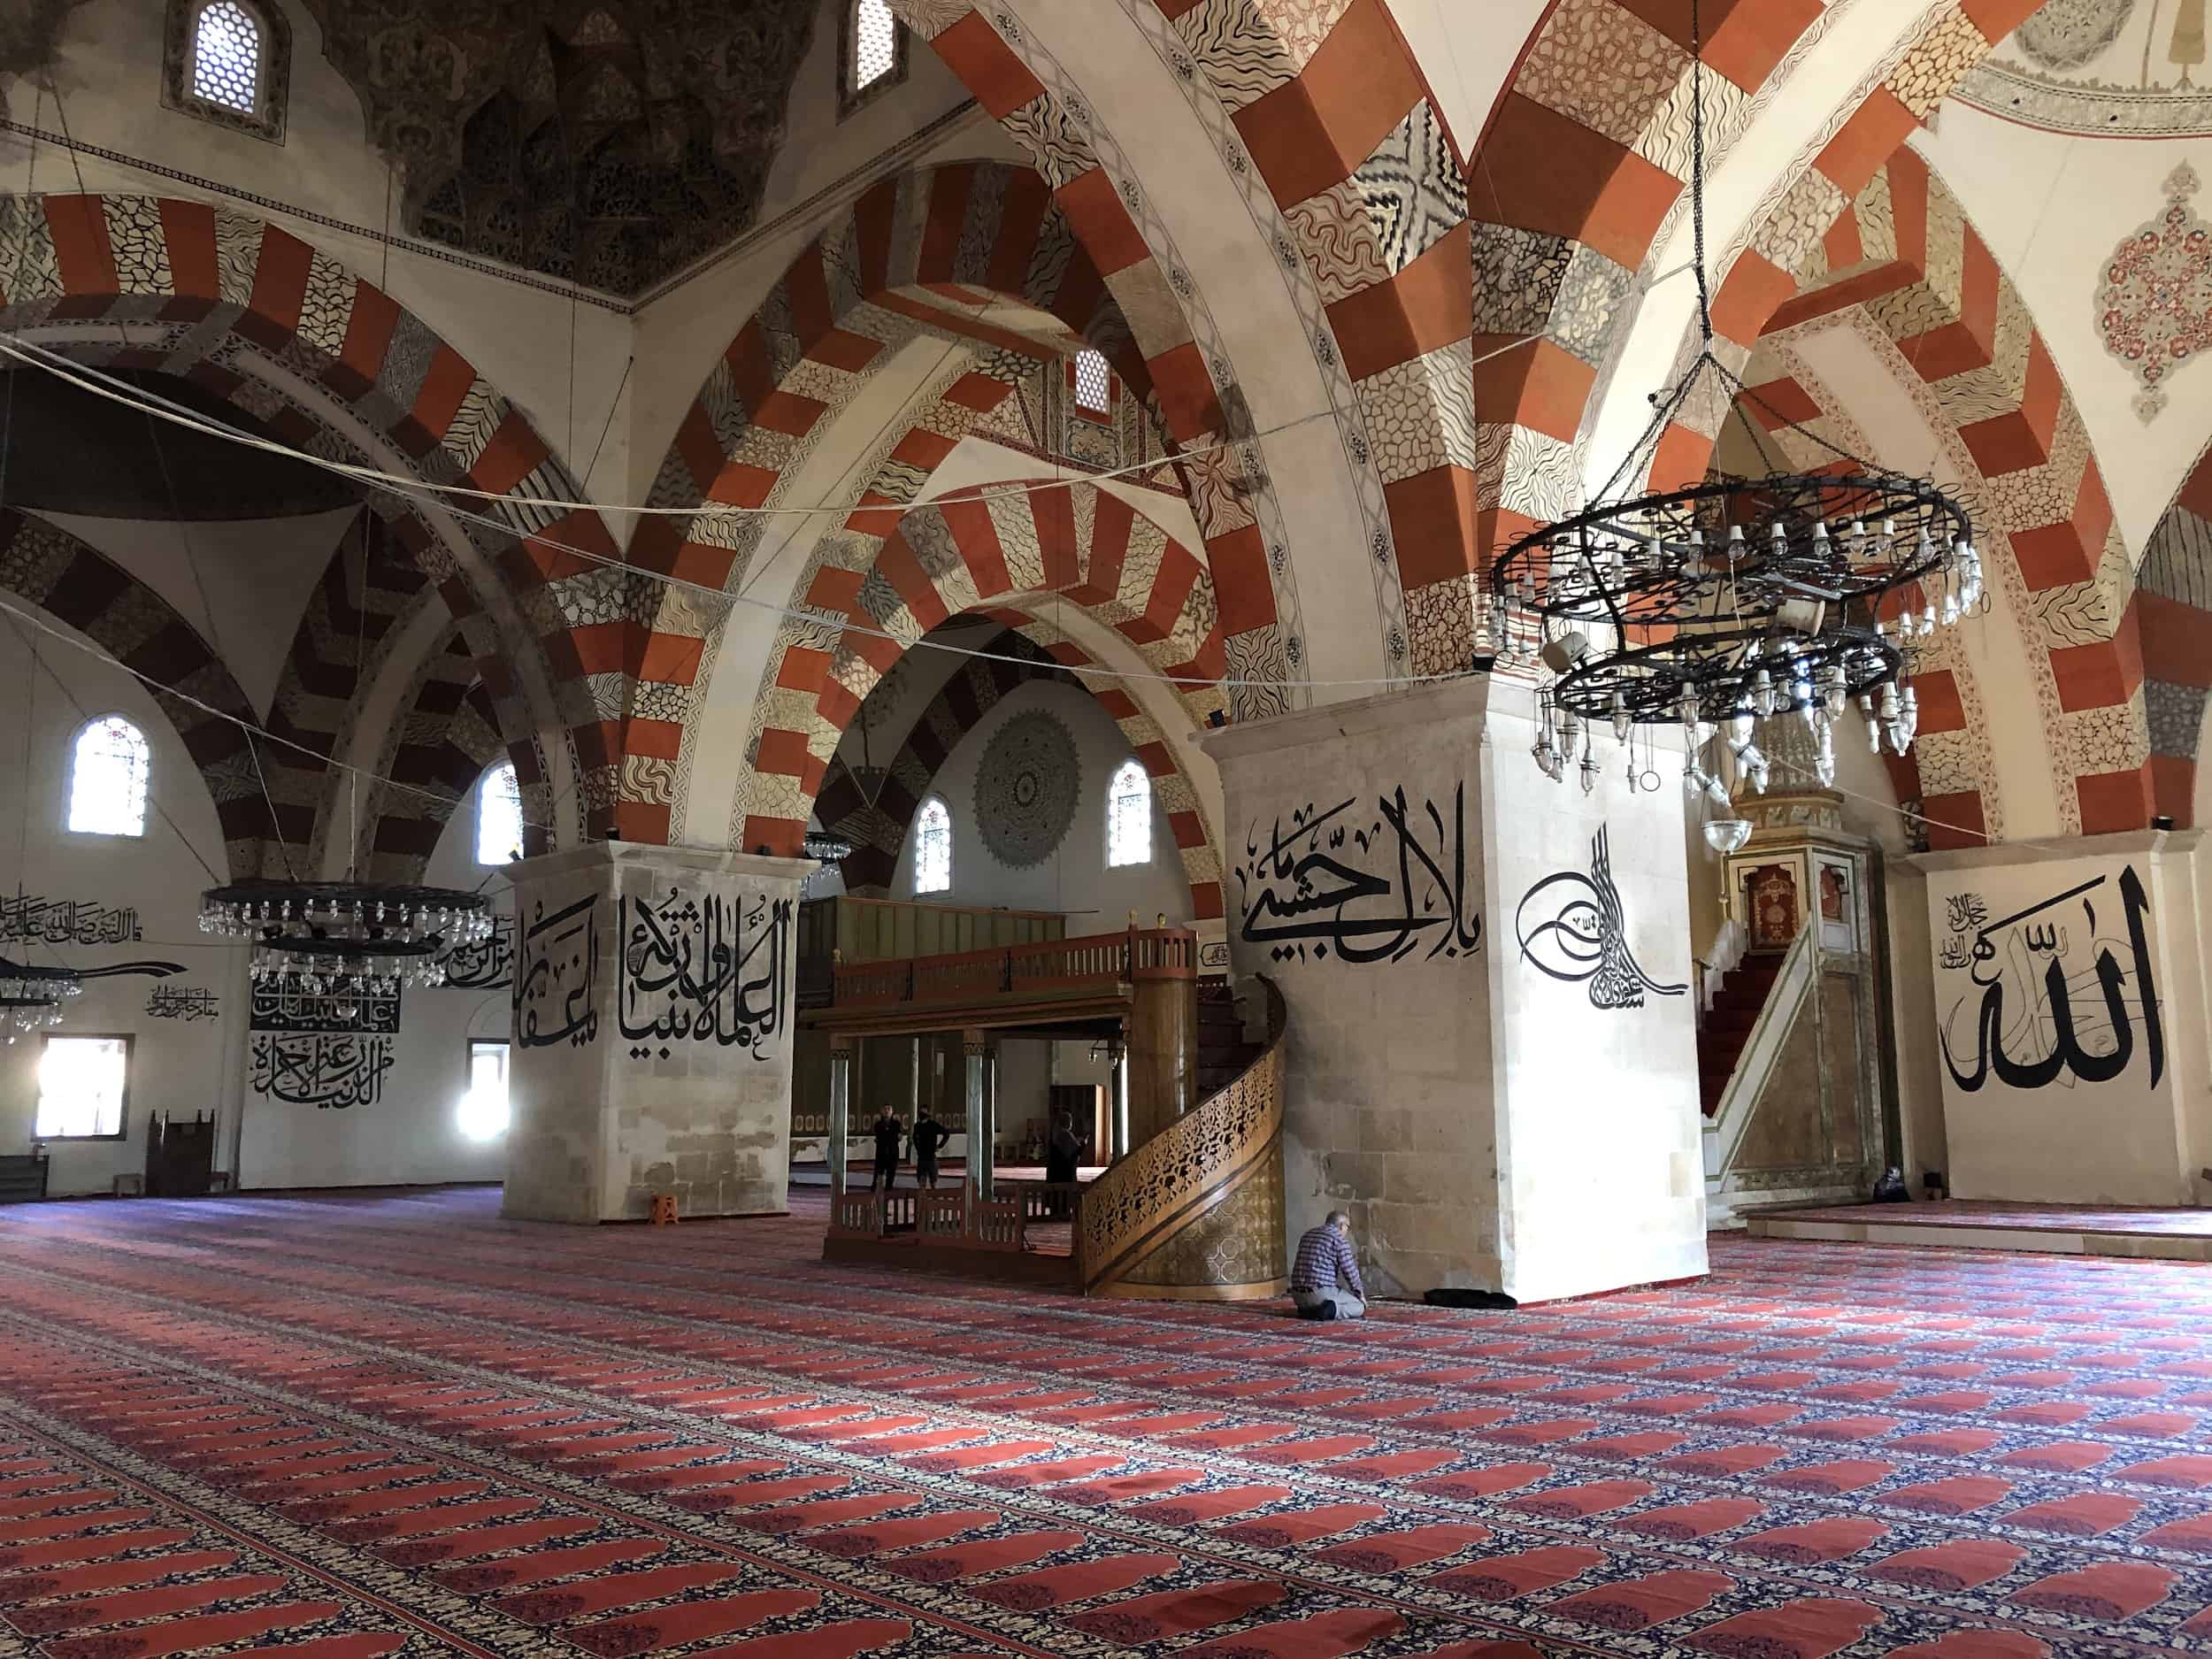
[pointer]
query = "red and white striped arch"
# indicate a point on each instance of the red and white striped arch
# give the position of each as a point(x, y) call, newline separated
point(1585, 167)
point(1903, 259)
point(901, 572)
point(334, 365)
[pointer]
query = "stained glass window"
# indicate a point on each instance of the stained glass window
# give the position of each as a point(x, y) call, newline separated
point(498, 816)
point(932, 849)
point(875, 43)
point(1093, 383)
point(107, 779)
point(80, 1084)
point(226, 57)
point(1129, 817)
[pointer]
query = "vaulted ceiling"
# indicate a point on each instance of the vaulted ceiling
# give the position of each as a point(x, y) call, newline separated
point(606, 141)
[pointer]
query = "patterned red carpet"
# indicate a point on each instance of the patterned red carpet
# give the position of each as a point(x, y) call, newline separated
point(339, 1429)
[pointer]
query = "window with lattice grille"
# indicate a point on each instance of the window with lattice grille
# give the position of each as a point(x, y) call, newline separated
point(872, 58)
point(1093, 383)
point(932, 849)
point(1129, 817)
point(108, 772)
point(227, 62)
point(226, 57)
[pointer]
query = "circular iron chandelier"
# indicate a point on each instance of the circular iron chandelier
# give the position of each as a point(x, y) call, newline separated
point(352, 939)
point(1731, 602)
point(31, 997)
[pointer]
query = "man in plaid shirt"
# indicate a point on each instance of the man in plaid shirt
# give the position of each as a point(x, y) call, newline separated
point(1325, 1279)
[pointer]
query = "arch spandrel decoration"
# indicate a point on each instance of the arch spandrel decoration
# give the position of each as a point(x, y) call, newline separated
point(276, 326)
point(1903, 257)
point(2173, 608)
point(1585, 165)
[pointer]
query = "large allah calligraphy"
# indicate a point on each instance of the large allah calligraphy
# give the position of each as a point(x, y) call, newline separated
point(1370, 888)
point(702, 970)
point(2052, 999)
point(1572, 927)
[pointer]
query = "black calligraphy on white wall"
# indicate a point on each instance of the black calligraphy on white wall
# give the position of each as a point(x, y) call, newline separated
point(182, 1001)
point(487, 965)
point(326, 1070)
point(556, 975)
point(29, 917)
point(1573, 927)
point(311, 1045)
point(2054, 1000)
point(1371, 888)
point(702, 969)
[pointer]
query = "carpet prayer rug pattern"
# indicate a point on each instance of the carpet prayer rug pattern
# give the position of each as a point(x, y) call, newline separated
point(349, 1427)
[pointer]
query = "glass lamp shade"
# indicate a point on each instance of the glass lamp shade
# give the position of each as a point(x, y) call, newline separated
point(1725, 835)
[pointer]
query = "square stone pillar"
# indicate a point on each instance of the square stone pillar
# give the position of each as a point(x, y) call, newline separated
point(653, 1022)
point(2068, 1008)
point(1492, 1059)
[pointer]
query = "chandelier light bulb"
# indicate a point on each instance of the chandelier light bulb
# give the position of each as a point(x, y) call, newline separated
point(1716, 790)
point(1740, 727)
point(1589, 770)
point(1763, 694)
point(1725, 835)
point(1692, 780)
point(1622, 724)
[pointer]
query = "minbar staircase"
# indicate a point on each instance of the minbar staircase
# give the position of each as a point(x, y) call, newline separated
point(1224, 1051)
point(1727, 1026)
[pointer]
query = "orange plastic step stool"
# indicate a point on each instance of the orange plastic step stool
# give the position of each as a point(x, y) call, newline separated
point(664, 1209)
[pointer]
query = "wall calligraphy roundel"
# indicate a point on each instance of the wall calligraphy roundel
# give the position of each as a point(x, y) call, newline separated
point(1025, 789)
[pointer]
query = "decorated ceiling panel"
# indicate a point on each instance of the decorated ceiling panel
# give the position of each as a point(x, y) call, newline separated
point(608, 142)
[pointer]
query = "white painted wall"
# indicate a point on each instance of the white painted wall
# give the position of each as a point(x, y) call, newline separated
point(2052, 209)
point(1074, 878)
point(183, 1066)
point(2134, 1138)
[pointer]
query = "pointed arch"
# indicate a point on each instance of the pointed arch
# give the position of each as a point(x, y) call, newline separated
point(1357, 203)
point(1903, 257)
point(337, 367)
point(73, 582)
point(1584, 169)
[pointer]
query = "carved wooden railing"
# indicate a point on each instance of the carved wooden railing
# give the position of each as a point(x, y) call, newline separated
point(1196, 1212)
point(930, 1215)
point(1099, 962)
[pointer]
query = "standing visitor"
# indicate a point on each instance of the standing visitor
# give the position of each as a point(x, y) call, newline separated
point(929, 1135)
point(889, 1133)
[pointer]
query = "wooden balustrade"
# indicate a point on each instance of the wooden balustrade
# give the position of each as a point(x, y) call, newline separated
point(929, 1217)
point(1098, 962)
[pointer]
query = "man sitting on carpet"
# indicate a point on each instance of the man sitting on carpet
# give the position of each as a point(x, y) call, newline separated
point(1324, 1280)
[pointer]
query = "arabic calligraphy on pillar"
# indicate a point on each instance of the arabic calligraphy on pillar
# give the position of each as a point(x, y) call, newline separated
point(2054, 1001)
point(487, 965)
point(1370, 888)
point(702, 970)
point(1573, 929)
point(330, 1071)
point(556, 982)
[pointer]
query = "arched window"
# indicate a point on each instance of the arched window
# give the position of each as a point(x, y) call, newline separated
point(226, 57)
point(872, 54)
point(226, 61)
point(932, 848)
point(107, 779)
point(1129, 816)
point(498, 816)
point(1093, 383)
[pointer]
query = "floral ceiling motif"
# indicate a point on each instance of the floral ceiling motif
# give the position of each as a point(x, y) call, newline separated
point(1026, 787)
point(2155, 307)
point(606, 141)
point(2121, 68)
